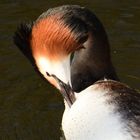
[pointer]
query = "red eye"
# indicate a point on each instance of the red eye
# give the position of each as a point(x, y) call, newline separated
point(48, 74)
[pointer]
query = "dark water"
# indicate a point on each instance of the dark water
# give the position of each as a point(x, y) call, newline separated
point(30, 109)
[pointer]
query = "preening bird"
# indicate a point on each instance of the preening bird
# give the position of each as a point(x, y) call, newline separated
point(104, 109)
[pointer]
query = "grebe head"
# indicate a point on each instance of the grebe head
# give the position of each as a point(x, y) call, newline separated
point(61, 27)
point(49, 43)
point(52, 42)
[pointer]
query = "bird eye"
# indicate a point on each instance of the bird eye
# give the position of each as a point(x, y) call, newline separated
point(48, 74)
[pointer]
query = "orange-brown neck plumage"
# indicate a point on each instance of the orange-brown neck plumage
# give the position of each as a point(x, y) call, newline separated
point(51, 38)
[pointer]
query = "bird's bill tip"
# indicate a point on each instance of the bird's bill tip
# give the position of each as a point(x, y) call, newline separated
point(66, 91)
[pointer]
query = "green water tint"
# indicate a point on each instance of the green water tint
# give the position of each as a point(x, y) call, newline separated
point(31, 109)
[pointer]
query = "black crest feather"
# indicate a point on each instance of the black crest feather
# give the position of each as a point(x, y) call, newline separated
point(22, 39)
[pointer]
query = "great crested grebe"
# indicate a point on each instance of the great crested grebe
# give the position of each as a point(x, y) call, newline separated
point(106, 110)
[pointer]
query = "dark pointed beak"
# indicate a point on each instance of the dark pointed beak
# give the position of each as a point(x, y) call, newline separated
point(66, 91)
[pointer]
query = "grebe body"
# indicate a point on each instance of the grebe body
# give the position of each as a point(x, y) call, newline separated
point(103, 109)
point(106, 110)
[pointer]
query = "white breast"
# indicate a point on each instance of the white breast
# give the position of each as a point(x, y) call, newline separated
point(92, 118)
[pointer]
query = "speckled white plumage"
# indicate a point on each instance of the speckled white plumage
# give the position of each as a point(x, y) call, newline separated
point(91, 117)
